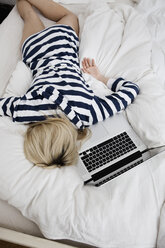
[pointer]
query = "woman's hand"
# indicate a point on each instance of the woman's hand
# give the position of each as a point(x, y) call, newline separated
point(90, 67)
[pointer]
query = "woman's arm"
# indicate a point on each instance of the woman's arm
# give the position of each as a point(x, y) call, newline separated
point(124, 92)
point(37, 105)
point(7, 106)
point(25, 110)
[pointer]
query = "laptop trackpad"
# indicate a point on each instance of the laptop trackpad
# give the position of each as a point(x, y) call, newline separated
point(98, 134)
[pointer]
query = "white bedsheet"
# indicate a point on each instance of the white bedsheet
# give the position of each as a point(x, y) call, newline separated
point(126, 211)
point(154, 14)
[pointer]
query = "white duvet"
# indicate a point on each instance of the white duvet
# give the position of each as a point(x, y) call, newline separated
point(127, 212)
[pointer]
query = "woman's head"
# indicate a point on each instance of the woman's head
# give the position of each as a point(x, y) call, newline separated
point(53, 142)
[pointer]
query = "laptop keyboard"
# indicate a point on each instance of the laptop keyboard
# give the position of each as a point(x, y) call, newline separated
point(107, 151)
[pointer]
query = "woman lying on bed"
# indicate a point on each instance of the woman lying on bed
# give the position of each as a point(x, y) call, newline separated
point(59, 104)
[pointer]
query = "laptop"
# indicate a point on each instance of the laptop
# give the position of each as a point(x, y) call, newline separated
point(113, 149)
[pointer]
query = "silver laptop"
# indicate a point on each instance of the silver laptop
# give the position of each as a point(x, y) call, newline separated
point(113, 149)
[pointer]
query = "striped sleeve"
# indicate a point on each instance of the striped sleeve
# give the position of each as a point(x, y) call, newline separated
point(28, 109)
point(7, 106)
point(124, 93)
point(24, 110)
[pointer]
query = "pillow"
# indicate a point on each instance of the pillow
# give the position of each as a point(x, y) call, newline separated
point(146, 115)
point(20, 81)
point(11, 32)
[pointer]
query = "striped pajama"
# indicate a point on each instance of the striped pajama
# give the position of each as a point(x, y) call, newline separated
point(52, 56)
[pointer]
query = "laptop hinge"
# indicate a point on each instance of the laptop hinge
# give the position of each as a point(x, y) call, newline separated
point(116, 166)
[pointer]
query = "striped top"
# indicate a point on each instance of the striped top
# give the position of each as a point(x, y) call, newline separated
point(58, 83)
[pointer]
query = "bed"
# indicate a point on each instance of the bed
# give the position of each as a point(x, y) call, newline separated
point(126, 38)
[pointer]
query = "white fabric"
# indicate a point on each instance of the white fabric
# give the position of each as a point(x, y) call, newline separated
point(8, 63)
point(161, 235)
point(153, 13)
point(20, 80)
point(11, 218)
point(125, 212)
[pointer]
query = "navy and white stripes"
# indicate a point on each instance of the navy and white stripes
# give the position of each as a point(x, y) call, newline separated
point(52, 55)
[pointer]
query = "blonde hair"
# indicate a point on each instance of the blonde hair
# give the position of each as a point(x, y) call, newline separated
point(53, 142)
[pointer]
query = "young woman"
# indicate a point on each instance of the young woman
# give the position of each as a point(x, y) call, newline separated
point(59, 105)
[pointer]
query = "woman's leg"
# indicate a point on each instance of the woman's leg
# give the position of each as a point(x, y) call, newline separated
point(32, 23)
point(57, 13)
